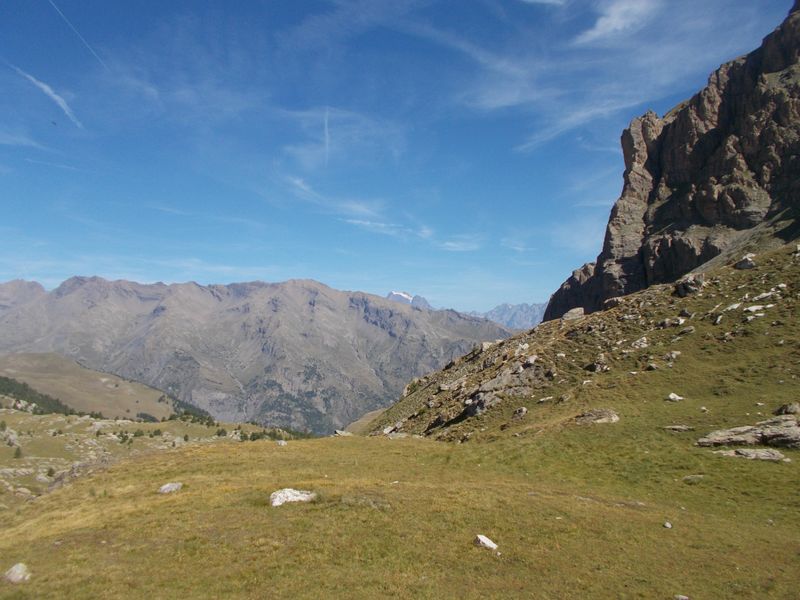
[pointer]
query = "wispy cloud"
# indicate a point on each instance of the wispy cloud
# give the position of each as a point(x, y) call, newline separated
point(76, 32)
point(18, 139)
point(45, 163)
point(619, 17)
point(50, 93)
point(461, 243)
point(333, 135)
point(352, 208)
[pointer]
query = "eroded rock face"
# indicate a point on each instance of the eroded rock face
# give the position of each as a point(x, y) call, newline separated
point(696, 179)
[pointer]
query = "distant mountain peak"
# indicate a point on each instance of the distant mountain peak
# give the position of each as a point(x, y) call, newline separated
point(406, 298)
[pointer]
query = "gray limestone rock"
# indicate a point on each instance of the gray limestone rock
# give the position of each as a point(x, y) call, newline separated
point(701, 179)
point(753, 454)
point(597, 416)
point(781, 431)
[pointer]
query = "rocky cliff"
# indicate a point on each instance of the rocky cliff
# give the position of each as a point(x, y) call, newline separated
point(702, 179)
point(296, 354)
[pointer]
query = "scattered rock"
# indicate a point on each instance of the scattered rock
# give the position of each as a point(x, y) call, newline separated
point(689, 284)
point(693, 479)
point(651, 367)
point(290, 495)
point(672, 356)
point(282, 443)
point(610, 303)
point(687, 330)
point(575, 313)
point(597, 415)
point(678, 428)
point(673, 397)
point(781, 431)
point(680, 597)
point(746, 262)
point(788, 409)
point(667, 525)
point(640, 344)
point(484, 542)
point(342, 433)
point(18, 574)
point(753, 454)
point(169, 488)
point(520, 412)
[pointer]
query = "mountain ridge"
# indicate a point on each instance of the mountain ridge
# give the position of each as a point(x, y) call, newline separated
point(297, 353)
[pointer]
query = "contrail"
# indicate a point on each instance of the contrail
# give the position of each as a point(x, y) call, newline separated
point(50, 93)
point(80, 37)
point(327, 138)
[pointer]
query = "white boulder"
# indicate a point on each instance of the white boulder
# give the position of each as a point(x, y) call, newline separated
point(18, 574)
point(290, 495)
point(484, 542)
point(171, 487)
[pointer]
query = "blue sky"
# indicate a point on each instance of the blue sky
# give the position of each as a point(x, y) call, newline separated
point(465, 150)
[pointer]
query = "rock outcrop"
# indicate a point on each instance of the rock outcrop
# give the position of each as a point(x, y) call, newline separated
point(703, 176)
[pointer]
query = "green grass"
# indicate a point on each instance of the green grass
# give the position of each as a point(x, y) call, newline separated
point(572, 519)
point(577, 511)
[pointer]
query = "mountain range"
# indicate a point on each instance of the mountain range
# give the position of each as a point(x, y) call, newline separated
point(514, 316)
point(296, 354)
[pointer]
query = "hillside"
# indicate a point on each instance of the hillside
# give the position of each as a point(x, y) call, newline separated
point(715, 175)
point(296, 354)
point(625, 509)
point(85, 390)
point(732, 346)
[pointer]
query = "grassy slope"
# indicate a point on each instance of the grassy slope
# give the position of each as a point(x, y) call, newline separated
point(578, 511)
point(83, 389)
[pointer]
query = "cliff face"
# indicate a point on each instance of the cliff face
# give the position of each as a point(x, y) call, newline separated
point(699, 178)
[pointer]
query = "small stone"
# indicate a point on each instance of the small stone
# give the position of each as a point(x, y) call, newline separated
point(282, 443)
point(640, 344)
point(678, 428)
point(692, 479)
point(597, 416)
point(673, 397)
point(703, 409)
point(342, 433)
point(746, 262)
point(680, 597)
point(290, 495)
point(18, 574)
point(520, 412)
point(651, 367)
point(484, 542)
point(170, 488)
point(667, 525)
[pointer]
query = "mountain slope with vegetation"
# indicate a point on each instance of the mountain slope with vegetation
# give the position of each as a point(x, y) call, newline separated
point(296, 354)
point(85, 390)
